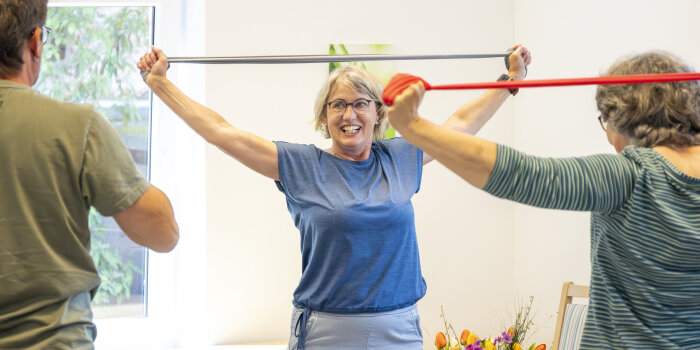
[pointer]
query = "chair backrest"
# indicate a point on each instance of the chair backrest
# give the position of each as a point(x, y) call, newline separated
point(570, 317)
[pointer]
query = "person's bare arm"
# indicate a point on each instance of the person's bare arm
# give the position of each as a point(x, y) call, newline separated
point(468, 156)
point(473, 115)
point(251, 150)
point(150, 221)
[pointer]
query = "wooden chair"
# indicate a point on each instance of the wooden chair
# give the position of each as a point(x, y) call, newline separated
point(570, 317)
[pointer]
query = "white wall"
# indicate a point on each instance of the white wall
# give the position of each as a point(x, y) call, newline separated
point(253, 259)
point(479, 254)
point(577, 39)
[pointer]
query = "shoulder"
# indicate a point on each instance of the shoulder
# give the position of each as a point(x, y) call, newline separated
point(393, 145)
point(59, 111)
point(288, 149)
point(642, 156)
point(58, 106)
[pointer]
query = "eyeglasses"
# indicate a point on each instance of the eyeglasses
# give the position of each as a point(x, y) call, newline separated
point(603, 122)
point(45, 31)
point(360, 106)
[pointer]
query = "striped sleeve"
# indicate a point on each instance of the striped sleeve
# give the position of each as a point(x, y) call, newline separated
point(599, 183)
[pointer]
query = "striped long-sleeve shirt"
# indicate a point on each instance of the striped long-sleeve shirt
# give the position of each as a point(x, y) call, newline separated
point(645, 240)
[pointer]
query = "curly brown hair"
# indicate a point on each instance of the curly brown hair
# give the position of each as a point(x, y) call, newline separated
point(18, 19)
point(658, 114)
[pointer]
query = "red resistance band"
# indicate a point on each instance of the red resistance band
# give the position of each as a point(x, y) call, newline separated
point(401, 81)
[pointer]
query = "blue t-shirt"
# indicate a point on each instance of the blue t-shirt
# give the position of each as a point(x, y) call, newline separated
point(358, 234)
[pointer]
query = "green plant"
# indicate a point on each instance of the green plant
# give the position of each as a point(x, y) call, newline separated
point(90, 58)
point(117, 275)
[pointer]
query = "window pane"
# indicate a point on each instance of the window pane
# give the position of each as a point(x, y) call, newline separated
point(90, 58)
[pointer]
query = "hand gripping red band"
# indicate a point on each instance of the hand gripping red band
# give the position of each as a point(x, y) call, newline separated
point(401, 81)
point(398, 84)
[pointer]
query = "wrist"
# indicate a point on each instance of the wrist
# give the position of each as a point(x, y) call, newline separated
point(154, 81)
point(516, 76)
point(408, 127)
point(508, 77)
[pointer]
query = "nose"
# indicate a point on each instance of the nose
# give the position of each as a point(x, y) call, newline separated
point(349, 113)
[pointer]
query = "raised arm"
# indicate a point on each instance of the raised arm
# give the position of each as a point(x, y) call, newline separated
point(473, 115)
point(594, 183)
point(253, 151)
point(466, 155)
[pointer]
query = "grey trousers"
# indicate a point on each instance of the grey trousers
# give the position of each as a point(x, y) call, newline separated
point(397, 329)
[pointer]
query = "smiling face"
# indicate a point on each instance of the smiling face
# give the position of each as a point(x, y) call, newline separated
point(351, 130)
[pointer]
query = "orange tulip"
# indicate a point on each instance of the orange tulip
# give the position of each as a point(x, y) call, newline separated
point(440, 340)
point(463, 338)
point(541, 347)
point(511, 331)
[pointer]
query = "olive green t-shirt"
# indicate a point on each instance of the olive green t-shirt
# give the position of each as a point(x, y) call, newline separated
point(56, 160)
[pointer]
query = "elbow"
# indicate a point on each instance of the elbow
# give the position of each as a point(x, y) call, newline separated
point(169, 240)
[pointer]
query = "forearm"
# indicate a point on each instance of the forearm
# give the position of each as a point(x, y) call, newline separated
point(204, 121)
point(469, 157)
point(472, 116)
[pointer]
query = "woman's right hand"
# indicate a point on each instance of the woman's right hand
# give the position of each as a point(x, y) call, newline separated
point(153, 65)
point(518, 61)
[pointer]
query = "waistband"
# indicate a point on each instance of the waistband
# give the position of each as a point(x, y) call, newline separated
point(300, 327)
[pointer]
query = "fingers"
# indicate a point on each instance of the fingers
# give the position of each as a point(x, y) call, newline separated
point(149, 59)
point(413, 92)
point(143, 64)
point(526, 56)
point(523, 52)
point(158, 52)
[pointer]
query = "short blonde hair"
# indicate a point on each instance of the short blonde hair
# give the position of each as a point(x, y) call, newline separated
point(652, 114)
point(360, 81)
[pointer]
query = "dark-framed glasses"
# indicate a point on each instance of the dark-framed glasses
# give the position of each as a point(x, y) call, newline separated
point(603, 122)
point(45, 31)
point(360, 106)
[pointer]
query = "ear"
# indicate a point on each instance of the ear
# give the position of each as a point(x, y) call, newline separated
point(35, 47)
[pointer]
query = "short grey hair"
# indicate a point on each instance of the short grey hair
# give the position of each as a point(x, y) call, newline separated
point(360, 81)
point(655, 114)
point(18, 19)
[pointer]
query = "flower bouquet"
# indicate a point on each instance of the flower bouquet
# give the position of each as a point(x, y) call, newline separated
point(510, 339)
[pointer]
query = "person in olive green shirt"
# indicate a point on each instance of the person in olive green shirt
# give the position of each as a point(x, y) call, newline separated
point(58, 159)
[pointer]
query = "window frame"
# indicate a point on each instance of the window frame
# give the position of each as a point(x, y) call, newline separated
point(175, 296)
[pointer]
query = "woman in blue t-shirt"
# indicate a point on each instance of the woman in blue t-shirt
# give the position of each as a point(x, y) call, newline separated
point(351, 202)
point(644, 201)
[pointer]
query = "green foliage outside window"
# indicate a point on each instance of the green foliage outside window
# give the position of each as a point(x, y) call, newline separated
point(116, 274)
point(90, 58)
